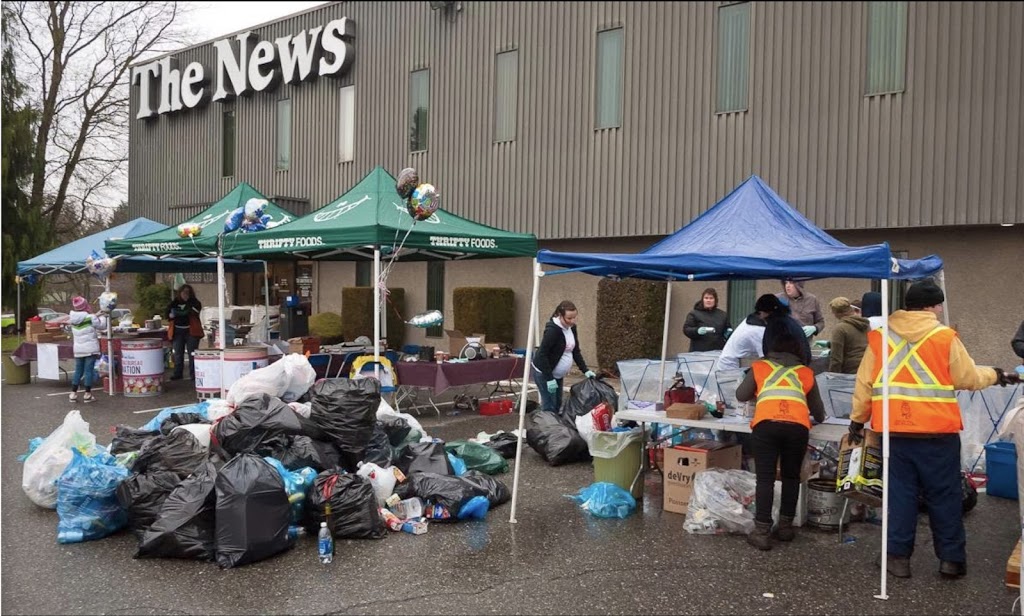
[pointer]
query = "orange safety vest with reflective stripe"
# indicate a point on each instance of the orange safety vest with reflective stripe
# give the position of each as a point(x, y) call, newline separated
point(921, 395)
point(782, 393)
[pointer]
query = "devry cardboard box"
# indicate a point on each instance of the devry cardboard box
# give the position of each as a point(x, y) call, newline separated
point(457, 340)
point(683, 462)
point(860, 469)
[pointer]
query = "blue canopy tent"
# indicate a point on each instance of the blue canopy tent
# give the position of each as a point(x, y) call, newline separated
point(752, 233)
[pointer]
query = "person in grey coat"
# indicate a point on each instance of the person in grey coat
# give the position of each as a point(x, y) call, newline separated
point(804, 306)
point(707, 325)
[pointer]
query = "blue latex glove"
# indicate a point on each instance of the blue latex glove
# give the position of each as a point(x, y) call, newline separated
point(589, 374)
point(1020, 369)
point(810, 330)
point(552, 386)
point(822, 344)
point(705, 330)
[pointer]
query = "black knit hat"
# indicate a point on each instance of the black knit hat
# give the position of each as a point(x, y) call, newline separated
point(923, 294)
point(767, 303)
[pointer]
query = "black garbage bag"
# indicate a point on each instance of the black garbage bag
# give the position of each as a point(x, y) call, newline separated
point(258, 420)
point(495, 490)
point(397, 428)
point(346, 410)
point(454, 492)
point(555, 438)
point(354, 512)
point(296, 452)
point(504, 443)
point(424, 458)
point(178, 451)
point(181, 419)
point(185, 527)
point(143, 495)
point(587, 394)
point(379, 450)
point(127, 438)
point(253, 512)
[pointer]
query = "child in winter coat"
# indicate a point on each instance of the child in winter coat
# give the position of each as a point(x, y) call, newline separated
point(84, 327)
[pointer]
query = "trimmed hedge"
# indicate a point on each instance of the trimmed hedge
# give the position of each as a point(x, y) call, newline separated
point(485, 310)
point(630, 318)
point(152, 298)
point(357, 314)
point(327, 327)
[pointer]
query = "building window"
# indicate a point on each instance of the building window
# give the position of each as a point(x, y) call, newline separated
point(435, 294)
point(608, 81)
point(227, 150)
point(364, 273)
point(741, 297)
point(733, 57)
point(506, 76)
point(419, 103)
point(887, 47)
point(284, 133)
point(346, 123)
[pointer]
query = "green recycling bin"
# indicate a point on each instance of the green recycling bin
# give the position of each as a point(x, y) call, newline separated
point(617, 457)
point(15, 374)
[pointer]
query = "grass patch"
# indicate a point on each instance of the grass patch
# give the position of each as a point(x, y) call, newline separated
point(9, 343)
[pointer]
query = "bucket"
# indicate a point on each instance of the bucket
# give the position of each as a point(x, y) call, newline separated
point(15, 374)
point(142, 367)
point(238, 361)
point(824, 504)
point(1001, 464)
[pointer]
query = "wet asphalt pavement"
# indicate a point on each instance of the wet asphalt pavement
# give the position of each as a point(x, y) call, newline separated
point(557, 559)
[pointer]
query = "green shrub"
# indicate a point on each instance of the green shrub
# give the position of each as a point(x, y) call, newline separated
point(630, 317)
point(357, 314)
point(152, 298)
point(485, 310)
point(327, 327)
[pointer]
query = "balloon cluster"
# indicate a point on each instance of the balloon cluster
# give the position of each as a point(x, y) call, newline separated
point(99, 266)
point(108, 301)
point(421, 200)
point(432, 318)
point(189, 229)
point(249, 217)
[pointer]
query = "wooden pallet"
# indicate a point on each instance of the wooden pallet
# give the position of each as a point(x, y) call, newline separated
point(1013, 568)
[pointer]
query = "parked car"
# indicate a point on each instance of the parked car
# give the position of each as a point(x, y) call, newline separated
point(45, 311)
point(54, 319)
point(9, 324)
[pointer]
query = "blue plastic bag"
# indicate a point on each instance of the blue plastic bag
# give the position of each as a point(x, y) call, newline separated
point(458, 464)
point(32, 445)
point(202, 409)
point(87, 498)
point(296, 485)
point(474, 509)
point(606, 500)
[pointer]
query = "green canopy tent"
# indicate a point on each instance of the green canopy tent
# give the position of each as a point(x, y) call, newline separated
point(212, 241)
point(371, 219)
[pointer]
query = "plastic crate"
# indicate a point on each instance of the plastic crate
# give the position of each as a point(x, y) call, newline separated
point(1001, 463)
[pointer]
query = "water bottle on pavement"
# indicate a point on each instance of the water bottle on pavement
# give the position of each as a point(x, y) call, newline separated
point(409, 508)
point(325, 545)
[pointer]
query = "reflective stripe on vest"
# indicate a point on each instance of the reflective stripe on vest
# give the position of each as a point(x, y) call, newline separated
point(920, 401)
point(781, 395)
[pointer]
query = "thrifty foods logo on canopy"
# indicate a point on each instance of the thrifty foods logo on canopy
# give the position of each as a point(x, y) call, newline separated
point(290, 242)
point(245, 65)
point(462, 242)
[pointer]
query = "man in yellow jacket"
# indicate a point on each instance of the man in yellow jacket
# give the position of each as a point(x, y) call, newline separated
point(927, 363)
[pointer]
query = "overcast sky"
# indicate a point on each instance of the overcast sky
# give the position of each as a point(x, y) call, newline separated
point(215, 19)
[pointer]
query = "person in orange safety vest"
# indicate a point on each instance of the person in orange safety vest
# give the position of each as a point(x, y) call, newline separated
point(927, 364)
point(786, 395)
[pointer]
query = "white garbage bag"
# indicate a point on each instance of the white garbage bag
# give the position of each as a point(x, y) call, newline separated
point(201, 431)
point(47, 462)
point(722, 502)
point(383, 480)
point(287, 379)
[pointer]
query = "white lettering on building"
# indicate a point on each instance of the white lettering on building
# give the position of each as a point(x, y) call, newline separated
point(245, 65)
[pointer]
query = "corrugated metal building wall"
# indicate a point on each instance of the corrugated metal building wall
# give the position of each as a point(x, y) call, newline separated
point(945, 151)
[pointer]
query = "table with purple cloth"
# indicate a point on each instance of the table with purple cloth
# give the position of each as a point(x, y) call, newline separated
point(28, 352)
point(439, 377)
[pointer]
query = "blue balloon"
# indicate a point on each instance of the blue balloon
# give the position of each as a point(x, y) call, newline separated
point(234, 220)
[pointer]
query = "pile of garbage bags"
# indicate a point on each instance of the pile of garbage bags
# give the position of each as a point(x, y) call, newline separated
point(240, 480)
point(555, 436)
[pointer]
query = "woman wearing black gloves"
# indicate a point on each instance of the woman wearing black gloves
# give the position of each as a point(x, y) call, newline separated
point(559, 348)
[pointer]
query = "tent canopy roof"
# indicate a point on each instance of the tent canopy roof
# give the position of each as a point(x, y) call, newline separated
point(752, 233)
point(165, 243)
point(371, 214)
point(71, 258)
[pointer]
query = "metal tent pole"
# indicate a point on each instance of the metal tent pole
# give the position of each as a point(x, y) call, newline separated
point(945, 306)
point(664, 333)
point(110, 344)
point(376, 312)
point(220, 311)
point(537, 274)
point(266, 298)
point(885, 438)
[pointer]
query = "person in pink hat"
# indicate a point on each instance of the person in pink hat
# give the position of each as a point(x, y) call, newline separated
point(84, 327)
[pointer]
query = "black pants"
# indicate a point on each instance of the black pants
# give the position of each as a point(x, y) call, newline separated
point(183, 341)
point(786, 443)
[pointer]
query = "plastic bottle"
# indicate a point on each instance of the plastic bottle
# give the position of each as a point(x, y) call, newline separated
point(409, 508)
point(325, 545)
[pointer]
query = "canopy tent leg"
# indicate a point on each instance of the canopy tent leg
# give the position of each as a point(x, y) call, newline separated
point(538, 333)
point(220, 310)
point(664, 333)
point(884, 595)
point(376, 312)
point(110, 343)
point(537, 274)
point(266, 298)
point(941, 275)
point(17, 324)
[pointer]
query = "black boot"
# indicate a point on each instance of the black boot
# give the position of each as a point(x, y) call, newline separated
point(898, 566)
point(951, 570)
point(785, 531)
point(761, 537)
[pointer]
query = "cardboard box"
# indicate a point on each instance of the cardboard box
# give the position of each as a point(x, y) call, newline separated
point(34, 327)
point(682, 410)
point(304, 344)
point(860, 469)
point(808, 469)
point(683, 462)
point(457, 340)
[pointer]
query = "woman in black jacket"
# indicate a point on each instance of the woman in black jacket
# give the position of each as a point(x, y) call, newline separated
point(706, 325)
point(559, 348)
